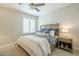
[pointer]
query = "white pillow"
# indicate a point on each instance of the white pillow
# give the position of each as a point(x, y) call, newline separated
point(52, 33)
point(38, 33)
point(41, 34)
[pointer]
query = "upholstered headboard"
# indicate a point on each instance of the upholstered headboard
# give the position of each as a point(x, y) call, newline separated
point(51, 26)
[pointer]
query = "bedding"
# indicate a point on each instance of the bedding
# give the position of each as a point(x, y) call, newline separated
point(49, 36)
point(34, 45)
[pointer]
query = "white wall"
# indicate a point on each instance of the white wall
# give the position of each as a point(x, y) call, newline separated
point(68, 16)
point(11, 25)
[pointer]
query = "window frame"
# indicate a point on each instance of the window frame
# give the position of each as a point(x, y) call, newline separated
point(29, 26)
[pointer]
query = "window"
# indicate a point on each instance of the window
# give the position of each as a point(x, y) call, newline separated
point(29, 25)
point(32, 25)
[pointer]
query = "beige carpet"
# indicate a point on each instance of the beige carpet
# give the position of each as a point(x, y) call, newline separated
point(60, 52)
point(12, 50)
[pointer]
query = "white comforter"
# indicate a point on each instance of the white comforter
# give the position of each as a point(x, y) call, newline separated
point(35, 46)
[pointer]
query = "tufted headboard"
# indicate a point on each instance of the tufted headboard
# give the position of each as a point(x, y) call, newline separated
point(51, 26)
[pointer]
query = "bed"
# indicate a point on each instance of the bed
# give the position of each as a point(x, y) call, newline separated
point(51, 33)
point(36, 45)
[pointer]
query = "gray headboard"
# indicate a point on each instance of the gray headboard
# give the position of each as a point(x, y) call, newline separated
point(51, 26)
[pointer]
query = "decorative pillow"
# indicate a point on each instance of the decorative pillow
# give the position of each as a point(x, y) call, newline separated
point(52, 33)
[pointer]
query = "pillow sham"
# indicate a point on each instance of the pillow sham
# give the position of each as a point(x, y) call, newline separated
point(42, 34)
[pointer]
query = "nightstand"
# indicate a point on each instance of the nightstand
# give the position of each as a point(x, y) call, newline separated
point(65, 43)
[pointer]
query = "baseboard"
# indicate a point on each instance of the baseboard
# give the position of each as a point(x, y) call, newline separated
point(76, 48)
point(5, 45)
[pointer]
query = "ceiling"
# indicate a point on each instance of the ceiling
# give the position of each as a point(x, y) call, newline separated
point(49, 7)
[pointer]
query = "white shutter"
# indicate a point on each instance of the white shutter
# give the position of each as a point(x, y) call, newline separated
point(26, 25)
point(32, 26)
point(29, 25)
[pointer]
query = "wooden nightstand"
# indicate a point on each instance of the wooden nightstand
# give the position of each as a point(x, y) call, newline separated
point(65, 43)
